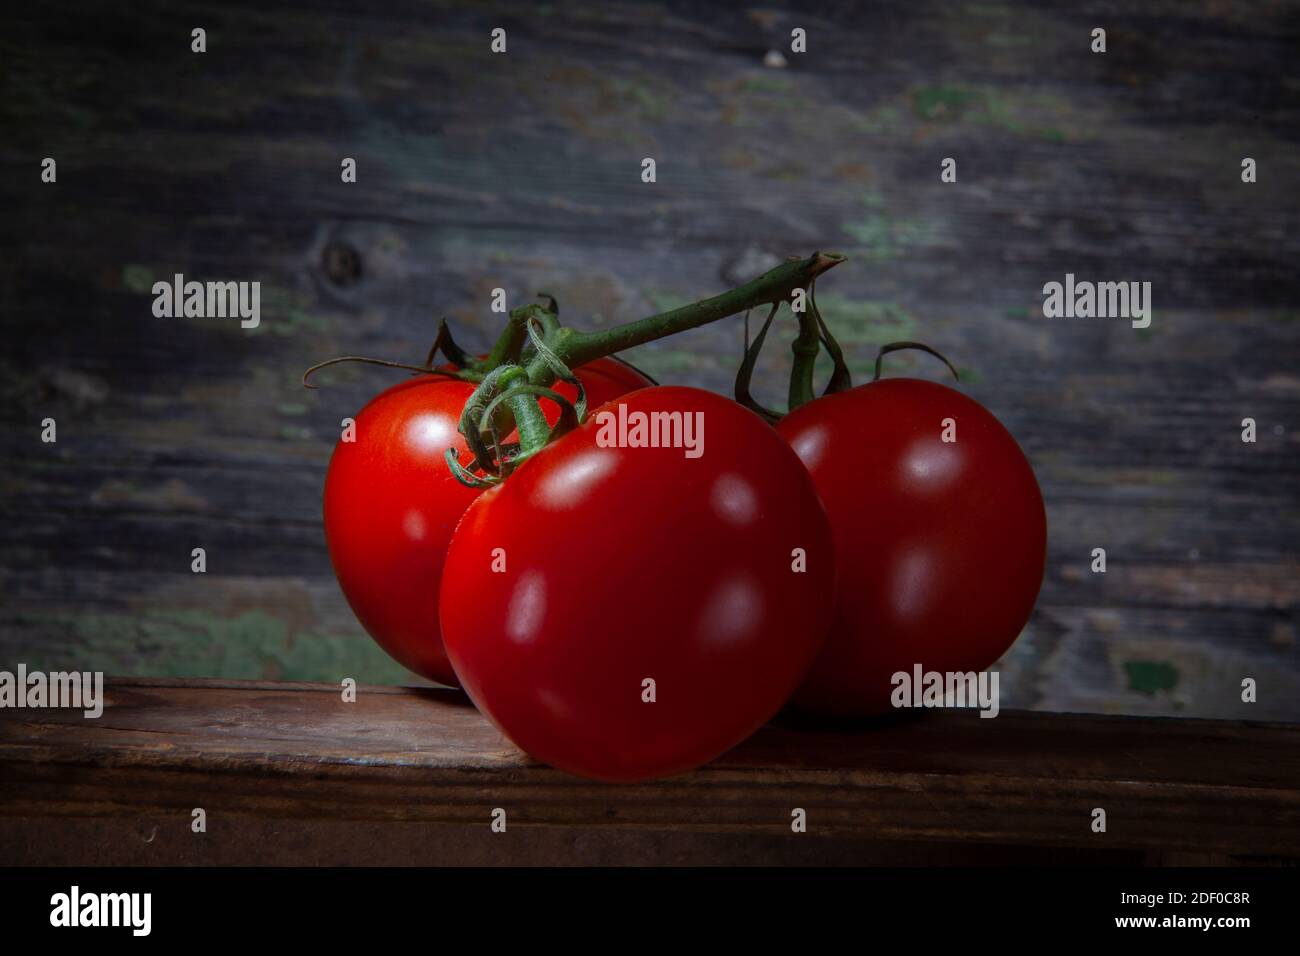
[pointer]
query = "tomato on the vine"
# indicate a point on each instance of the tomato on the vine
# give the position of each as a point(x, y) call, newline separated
point(940, 536)
point(391, 505)
point(628, 612)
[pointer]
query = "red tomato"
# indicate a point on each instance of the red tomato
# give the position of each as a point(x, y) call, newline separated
point(624, 565)
point(939, 546)
point(391, 506)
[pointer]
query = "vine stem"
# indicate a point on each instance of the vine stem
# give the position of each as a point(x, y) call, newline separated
point(511, 341)
point(518, 378)
point(805, 348)
point(575, 348)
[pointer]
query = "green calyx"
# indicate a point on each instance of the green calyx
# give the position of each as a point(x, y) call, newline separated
point(506, 398)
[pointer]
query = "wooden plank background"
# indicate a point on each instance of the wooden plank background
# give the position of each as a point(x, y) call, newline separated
point(522, 171)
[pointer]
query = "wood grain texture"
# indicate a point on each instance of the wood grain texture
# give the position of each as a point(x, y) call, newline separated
point(295, 760)
point(521, 171)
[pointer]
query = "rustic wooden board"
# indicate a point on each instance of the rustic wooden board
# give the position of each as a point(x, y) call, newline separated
point(281, 768)
point(522, 171)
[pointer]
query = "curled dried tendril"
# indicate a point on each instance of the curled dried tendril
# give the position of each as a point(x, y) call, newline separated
point(921, 346)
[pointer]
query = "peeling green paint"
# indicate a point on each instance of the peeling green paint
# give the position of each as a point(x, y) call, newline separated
point(767, 83)
point(771, 93)
point(866, 321)
point(990, 106)
point(665, 300)
point(1008, 40)
point(1014, 113)
point(254, 645)
point(1147, 677)
point(665, 364)
point(137, 278)
point(283, 313)
point(883, 120)
point(881, 236)
point(947, 103)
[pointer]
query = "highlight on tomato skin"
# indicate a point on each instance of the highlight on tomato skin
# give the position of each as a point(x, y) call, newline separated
point(940, 544)
point(391, 506)
point(595, 568)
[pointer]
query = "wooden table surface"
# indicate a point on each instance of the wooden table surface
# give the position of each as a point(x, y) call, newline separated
point(290, 773)
point(522, 171)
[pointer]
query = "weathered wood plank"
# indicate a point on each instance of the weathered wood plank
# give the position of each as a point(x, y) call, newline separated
point(238, 840)
point(401, 756)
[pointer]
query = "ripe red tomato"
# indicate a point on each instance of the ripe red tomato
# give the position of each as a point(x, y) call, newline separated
point(593, 569)
point(391, 506)
point(939, 546)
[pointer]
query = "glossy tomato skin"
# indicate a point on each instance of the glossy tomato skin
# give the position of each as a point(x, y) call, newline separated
point(940, 546)
point(391, 506)
point(626, 564)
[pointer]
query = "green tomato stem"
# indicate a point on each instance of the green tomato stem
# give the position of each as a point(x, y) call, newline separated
point(534, 430)
point(805, 348)
point(510, 343)
point(576, 348)
point(557, 349)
